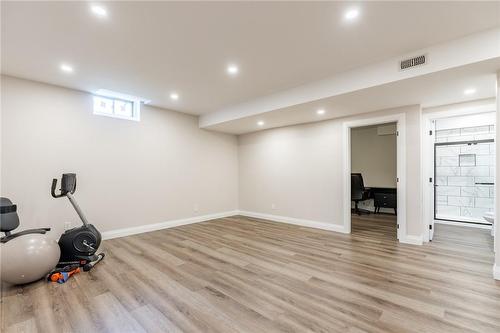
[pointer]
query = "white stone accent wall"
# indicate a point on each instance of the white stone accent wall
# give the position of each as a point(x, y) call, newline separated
point(458, 170)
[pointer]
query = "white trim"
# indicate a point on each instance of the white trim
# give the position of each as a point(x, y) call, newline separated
point(295, 221)
point(427, 153)
point(196, 219)
point(400, 119)
point(496, 272)
point(464, 224)
point(136, 117)
point(427, 170)
point(496, 229)
point(164, 225)
point(410, 239)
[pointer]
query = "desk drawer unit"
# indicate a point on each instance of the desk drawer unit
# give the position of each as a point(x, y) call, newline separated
point(385, 200)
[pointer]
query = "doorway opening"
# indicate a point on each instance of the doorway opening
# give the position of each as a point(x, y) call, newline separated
point(462, 179)
point(375, 176)
point(374, 180)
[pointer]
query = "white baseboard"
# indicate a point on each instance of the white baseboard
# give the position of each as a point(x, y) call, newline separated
point(410, 239)
point(164, 225)
point(292, 220)
point(496, 272)
point(416, 240)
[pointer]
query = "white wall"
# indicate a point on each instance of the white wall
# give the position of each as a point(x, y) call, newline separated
point(129, 173)
point(299, 170)
point(295, 168)
point(374, 156)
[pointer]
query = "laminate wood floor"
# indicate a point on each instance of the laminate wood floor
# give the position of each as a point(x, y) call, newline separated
point(246, 275)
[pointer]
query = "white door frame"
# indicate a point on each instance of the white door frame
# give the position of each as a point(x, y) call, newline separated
point(400, 119)
point(427, 157)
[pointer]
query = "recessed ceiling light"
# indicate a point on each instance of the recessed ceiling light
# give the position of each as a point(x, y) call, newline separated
point(260, 123)
point(66, 68)
point(469, 91)
point(174, 96)
point(99, 10)
point(351, 14)
point(232, 69)
point(320, 111)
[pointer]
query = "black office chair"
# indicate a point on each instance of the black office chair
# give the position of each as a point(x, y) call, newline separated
point(358, 192)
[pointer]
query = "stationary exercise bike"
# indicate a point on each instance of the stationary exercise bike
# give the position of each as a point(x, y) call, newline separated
point(78, 245)
point(31, 254)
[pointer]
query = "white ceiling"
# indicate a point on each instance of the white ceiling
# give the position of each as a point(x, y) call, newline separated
point(149, 49)
point(438, 88)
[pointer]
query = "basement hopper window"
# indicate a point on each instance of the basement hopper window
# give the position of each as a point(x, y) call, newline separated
point(116, 105)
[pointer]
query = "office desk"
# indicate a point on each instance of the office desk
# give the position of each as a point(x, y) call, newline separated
point(383, 197)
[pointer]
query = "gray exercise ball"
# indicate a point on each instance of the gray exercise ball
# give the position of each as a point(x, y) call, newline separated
point(28, 258)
